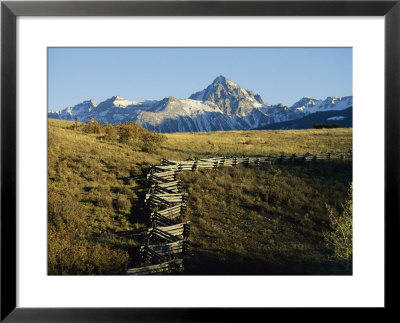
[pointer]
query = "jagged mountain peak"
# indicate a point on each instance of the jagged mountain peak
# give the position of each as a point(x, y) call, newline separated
point(304, 102)
point(229, 96)
point(171, 99)
point(167, 101)
point(223, 80)
point(116, 101)
point(220, 78)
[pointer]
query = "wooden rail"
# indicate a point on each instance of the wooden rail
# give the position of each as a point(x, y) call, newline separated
point(180, 229)
point(172, 212)
point(165, 267)
point(166, 203)
point(161, 220)
point(214, 162)
point(171, 248)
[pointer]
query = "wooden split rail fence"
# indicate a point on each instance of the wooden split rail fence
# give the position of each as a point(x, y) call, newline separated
point(233, 161)
point(167, 238)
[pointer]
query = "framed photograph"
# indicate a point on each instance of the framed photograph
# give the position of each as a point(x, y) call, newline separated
point(239, 155)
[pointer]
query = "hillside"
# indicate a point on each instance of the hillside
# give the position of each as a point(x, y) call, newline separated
point(264, 221)
point(343, 118)
point(96, 186)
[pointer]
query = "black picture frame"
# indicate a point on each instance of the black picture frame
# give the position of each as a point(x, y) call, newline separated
point(10, 10)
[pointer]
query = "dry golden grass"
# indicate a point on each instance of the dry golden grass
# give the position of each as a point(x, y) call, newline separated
point(249, 143)
point(93, 192)
point(268, 220)
point(258, 142)
point(96, 186)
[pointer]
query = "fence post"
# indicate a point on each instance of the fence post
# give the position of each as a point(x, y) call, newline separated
point(215, 164)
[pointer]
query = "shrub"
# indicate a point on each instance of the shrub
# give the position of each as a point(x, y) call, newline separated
point(133, 134)
point(341, 236)
point(93, 126)
point(125, 133)
point(111, 132)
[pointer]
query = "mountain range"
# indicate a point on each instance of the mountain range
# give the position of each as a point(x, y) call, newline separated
point(223, 105)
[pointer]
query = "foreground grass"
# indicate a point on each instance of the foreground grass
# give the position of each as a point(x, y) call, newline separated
point(95, 189)
point(94, 201)
point(265, 221)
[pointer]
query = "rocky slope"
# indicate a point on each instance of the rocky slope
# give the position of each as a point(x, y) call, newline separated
point(223, 105)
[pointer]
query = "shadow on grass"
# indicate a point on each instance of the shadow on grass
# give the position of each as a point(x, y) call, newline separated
point(138, 217)
point(211, 262)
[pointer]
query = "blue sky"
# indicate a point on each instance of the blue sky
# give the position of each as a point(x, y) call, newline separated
point(279, 75)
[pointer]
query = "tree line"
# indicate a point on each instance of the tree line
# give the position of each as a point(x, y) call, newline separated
point(325, 126)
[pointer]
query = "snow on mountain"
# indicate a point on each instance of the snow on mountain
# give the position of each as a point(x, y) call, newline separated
point(304, 103)
point(223, 105)
point(310, 105)
point(70, 113)
point(335, 118)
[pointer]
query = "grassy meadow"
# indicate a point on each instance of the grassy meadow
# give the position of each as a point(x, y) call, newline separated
point(249, 220)
point(257, 142)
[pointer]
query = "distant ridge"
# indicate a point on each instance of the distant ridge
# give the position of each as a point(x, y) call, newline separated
point(343, 118)
point(222, 105)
